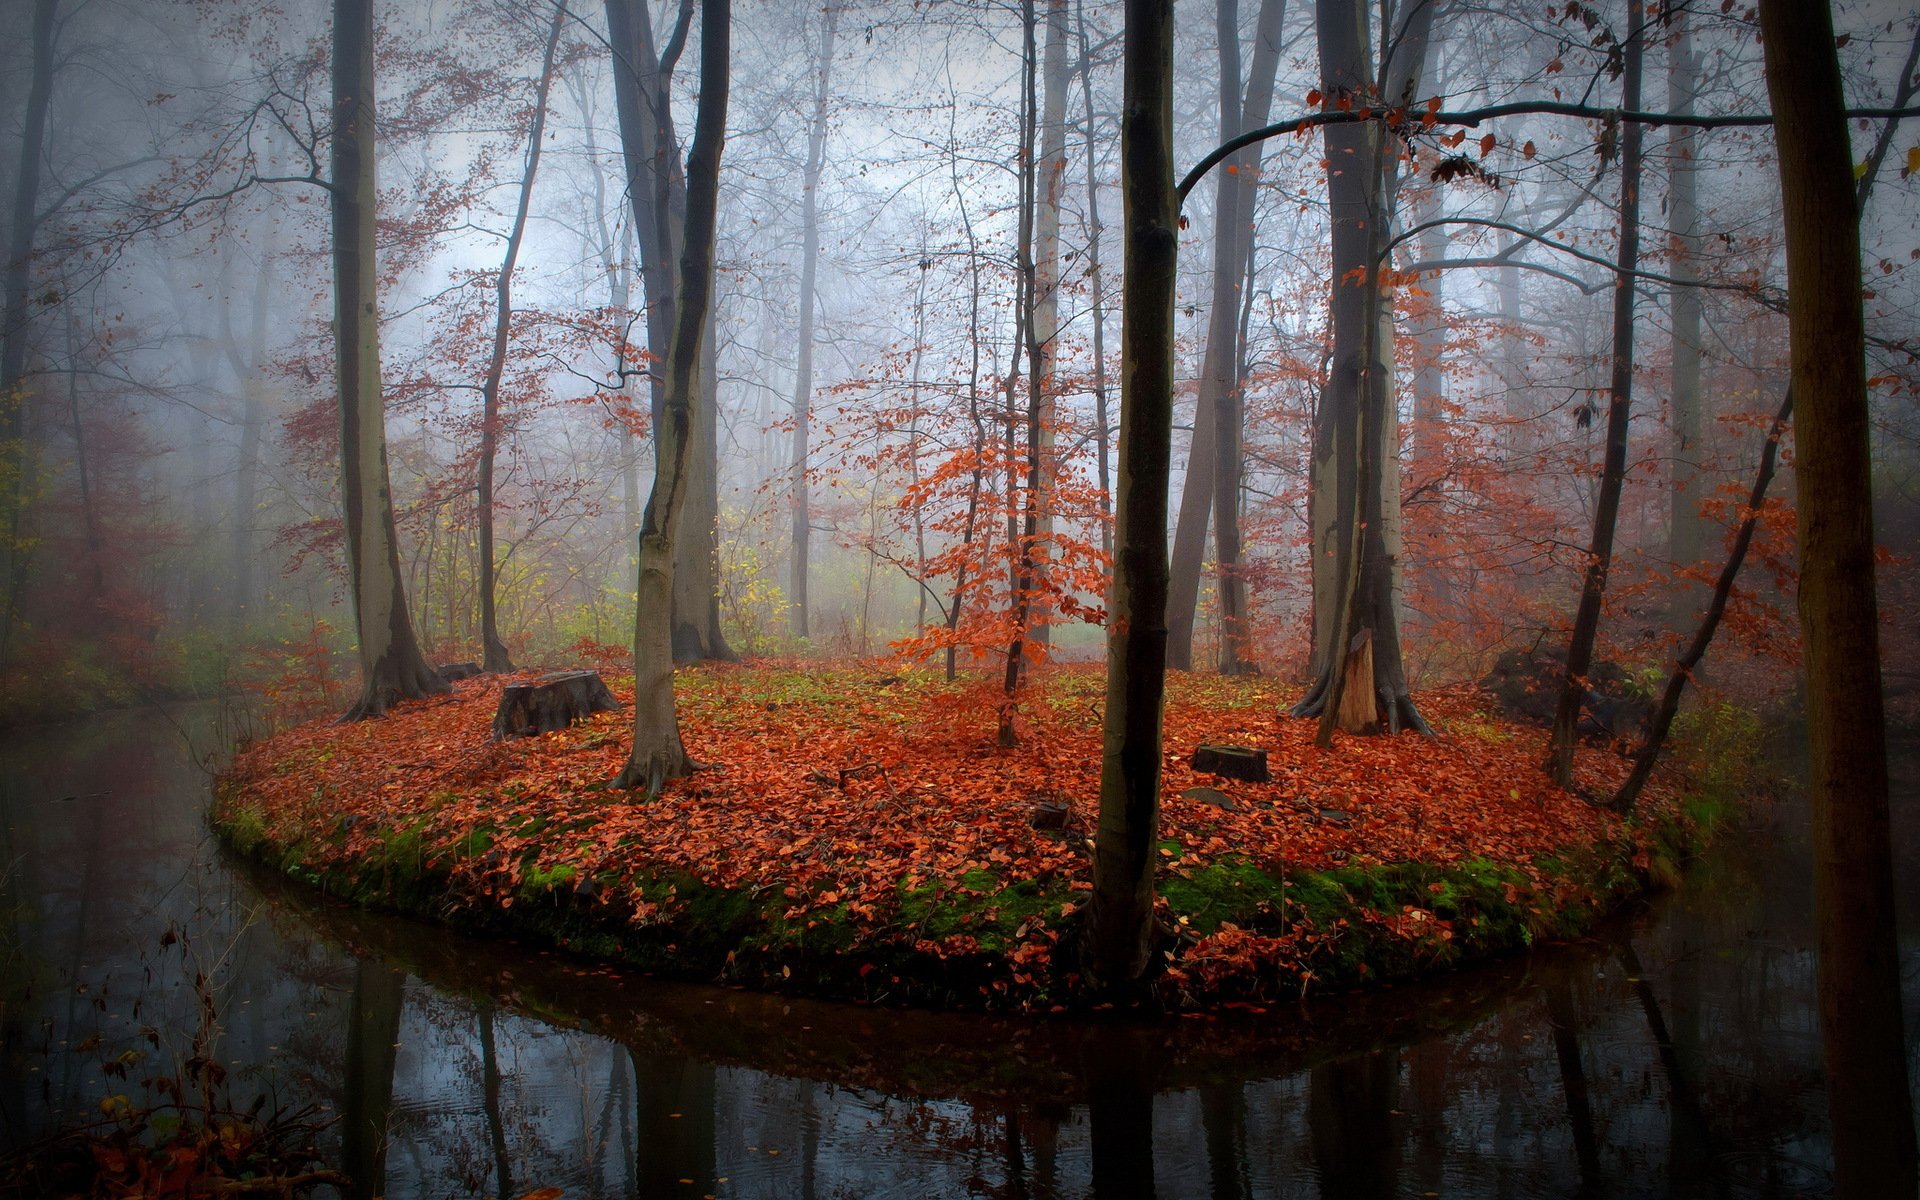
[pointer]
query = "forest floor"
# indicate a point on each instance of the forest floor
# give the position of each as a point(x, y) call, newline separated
point(860, 835)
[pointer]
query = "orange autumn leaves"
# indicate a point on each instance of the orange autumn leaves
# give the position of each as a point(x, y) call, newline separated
point(834, 794)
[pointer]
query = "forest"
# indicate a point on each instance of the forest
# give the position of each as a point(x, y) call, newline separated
point(1067, 504)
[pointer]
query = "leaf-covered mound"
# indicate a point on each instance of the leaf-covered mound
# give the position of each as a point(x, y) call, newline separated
point(863, 836)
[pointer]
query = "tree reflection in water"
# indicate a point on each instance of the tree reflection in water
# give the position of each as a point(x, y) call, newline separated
point(1682, 1062)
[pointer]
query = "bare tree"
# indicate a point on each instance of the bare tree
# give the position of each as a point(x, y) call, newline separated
point(658, 753)
point(1853, 893)
point(391, 665)
point(1120, 927)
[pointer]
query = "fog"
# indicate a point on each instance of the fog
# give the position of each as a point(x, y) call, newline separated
point(172, 471)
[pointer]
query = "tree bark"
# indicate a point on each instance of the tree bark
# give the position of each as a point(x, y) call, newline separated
point(1120, 931)
point(1023, 523)
point(1354, 478)
point(1586, 620)
point(391, 665)
point(1050, 181)
point(657, 191)
point(1212, 485)
point(803, 348)
point(494, 655)
point(658, 753)
point(1859, 963)
point(1096, 283)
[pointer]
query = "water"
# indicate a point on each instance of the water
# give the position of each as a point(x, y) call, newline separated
point(1677, 1053)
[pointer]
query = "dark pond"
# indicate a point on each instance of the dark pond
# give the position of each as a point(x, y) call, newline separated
point(1677, 1055)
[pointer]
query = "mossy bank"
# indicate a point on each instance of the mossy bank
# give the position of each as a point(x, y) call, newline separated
point(872, 887)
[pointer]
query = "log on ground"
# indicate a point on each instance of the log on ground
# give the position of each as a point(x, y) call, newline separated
point(550, 702)
point(1234, 762)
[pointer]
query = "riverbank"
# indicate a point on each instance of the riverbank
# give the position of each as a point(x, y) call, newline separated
point(862, 837)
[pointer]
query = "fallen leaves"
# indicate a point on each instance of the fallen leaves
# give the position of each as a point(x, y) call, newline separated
point(841, 803)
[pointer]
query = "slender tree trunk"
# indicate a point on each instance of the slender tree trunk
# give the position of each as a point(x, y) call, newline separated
point(391, 665)
point(493, 649)
point(1023, 522)
point(1429, 417)
point(803, 349)
point(1686, 530)
point(1669, 706)
point(1232, 283)
point(1096, 283)
point(1212, 482)
point(657, 190)
point(914, 436)
point(1586, 621)
point(1121, 919)
point(658, 753)
point(15, 315)
point(1050, 184)
point(1189, 551)
point(1859, 962)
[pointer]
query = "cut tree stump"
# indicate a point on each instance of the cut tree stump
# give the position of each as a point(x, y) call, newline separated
point(455, 672)
point(1359, 711)
point(550, 702)
point(1234, 762)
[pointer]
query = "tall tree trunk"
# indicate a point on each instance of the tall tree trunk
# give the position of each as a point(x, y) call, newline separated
point(657, 191)
point(1219, 397)
point(1096, 283)
point(803, 350)
point(1189, 553)
point(1050, 184)
point(493, 649)
point(1429, 399)
point(658, 753)
point(1023, 522)
point(1686, 529)
point(1212, 483)
point(391, 665)
point(697, 636)
point(1859, 962)
point(1354, 478)
point(15, 316)
point(1121, 918)
point(1586, 620)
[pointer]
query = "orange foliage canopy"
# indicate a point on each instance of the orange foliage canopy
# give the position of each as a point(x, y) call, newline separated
point(838, 792)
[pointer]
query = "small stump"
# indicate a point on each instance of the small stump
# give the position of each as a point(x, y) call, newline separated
point(455, 672)
point(1234, 762)
point(550, 702)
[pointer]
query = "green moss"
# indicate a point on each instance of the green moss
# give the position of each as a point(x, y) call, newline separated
point(244, 827)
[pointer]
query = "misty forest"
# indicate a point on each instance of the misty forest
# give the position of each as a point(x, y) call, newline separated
point(1239, 598)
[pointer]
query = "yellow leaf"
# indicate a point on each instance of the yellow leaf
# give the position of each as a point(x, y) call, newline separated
point(1913, 161)
point(1860, 169)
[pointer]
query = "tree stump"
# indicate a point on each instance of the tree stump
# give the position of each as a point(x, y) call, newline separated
point(455, 672)
point(1234, 762)
point(550, 702)
point(1359, 710)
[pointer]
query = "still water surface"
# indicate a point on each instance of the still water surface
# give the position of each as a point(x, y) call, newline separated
point(1678, 1054)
